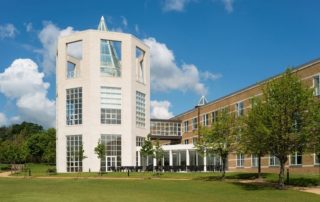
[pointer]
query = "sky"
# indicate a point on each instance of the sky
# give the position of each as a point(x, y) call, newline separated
point(198, 47)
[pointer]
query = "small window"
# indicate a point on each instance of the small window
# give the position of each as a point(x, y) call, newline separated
point(139, 141)
point(205, 119)
point(194, 140)
point(194, 123)
point(214, 116)
point(240, 109)
point(186, 126)
point(254, 160)
point(186, 141)
point(316, 159)
point(240, 160)
point(274, 161)
point(296, 159)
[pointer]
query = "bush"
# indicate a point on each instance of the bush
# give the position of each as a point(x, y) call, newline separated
point(52, 171)
point(5, 167)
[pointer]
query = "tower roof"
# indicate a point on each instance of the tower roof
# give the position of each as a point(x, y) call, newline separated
point(203, 100)
point(102, 25)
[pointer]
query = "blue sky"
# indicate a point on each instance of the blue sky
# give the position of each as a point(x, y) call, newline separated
point(211, 47)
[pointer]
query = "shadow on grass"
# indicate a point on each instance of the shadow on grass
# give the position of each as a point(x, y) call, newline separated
point(232, 176)
point(253, 186)
point(304, 182)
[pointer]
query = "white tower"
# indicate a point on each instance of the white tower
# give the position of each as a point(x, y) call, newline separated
point(103, 93)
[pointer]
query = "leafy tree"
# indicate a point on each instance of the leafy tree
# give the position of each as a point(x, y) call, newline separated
point(219, 138)
point(158, 153)
point(255, 134)
point(49, 154)
point(289, 106)
point(100, 150)
point(146, 150)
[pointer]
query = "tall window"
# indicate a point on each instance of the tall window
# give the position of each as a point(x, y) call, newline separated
point(254, 160)
point(110, 56)
point(74, 147)
point(186, 126)
point(112, 145)
point(240, 109)
point(140, 71)
point(240, 160)
point(73, 58)
point(316, 159)
point(205, 119)
point(214, 116)
point(194, 123)
point(274, 161)
point(296, 159)
point(139, 141)
point(110, 105)
point(74, 106)
point(316, 83)
point(140, 109)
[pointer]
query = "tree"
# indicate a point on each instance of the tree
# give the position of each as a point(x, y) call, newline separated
point(146, 150)
point(288, 116)
point(254, 138)
point(158, 153)
point(100, 150)
point(219, 138)
point(49, 154)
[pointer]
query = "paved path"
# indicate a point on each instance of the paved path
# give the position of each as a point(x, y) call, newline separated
point(5, 174)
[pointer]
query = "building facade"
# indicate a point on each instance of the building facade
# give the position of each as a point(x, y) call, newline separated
point(205, 113)
point(102, 94)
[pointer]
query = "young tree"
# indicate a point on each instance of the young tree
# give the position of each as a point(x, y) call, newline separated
point(146, 150)
point(158, 153)
point(100, 150)
point(219, 138)
point(254, 138)
point(288, 117)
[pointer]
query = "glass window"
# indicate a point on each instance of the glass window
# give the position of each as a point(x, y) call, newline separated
point(165, 128)
point(296, 159)
point(74, 57)
point(113, 150)
point(205, 119)
point(140, 109)
point(186, 141)
point(74, 147)
point(74, 106)
point(240, 160)
point(110, 105)
point(194, 140)
point(274, 161)
point(139, 141)
point(254, 160)
point(186, 126)
point(140, 65)
point(240, 108)
point(214, 116)
point(316, 83)
point(110, 58)
point(194, 123)
point(316, 159)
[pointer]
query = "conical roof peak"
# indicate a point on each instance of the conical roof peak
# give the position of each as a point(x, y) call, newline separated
point(203, 101)
point(102, 25)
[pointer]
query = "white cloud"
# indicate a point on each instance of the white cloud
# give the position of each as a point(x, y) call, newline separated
point(175, 5)
point(24, 83)
point(29, 27)
point(3, 119)
point(124, 21)
point(210, 76)
point(160, 109)
point(8, 31)
point(228, 5)
point(167, 75)
point(136, 28)
point(48, 37)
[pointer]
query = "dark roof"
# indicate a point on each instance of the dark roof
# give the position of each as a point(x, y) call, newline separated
point(299, 67)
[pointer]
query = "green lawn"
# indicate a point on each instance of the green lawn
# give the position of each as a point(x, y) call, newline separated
point(295, 179)
point(141, 190)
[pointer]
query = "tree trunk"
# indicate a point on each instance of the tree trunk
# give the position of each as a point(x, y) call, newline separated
point(281, 174)
point(223, 166)
point(259, 166)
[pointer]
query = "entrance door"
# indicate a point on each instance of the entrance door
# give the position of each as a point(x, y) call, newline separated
point(111, 163)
